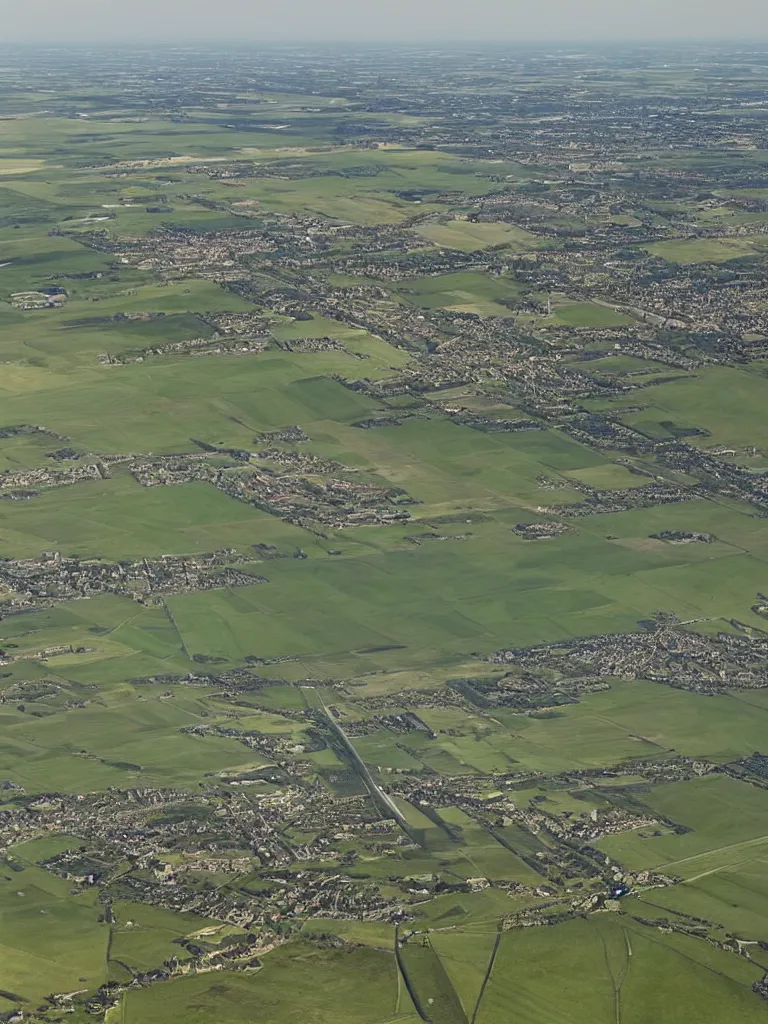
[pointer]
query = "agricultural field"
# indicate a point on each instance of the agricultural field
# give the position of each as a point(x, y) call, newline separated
point(383, 488)
point(464, 235)
point(716, 250)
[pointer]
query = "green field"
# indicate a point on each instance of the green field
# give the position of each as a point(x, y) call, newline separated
point(611, 965)
point(468, 236)
point(711, 808)
point(463, 356)
point(50, 937)
point(718, 250)
point(469, 291)
point(322, 987)
point(717, 399)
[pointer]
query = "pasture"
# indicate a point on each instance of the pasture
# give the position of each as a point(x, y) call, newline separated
point(724, 401)
point(611, 965)
point(203, 719)
point(715, 250)
point(339, 986)
point(726, 823)
point(468, 236)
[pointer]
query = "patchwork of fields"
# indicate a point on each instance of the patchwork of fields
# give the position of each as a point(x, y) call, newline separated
point(382, 548)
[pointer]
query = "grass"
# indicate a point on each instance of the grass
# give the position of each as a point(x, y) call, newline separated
point(118, 518)
point(649, 718)
point(51, 940)
point(727, 822)
point(707, 250)
point(465, 956)
point(588, 314)
point(429, 984)
point(732, 895)
point(441, 597)
point(599, 977)
point(392, 611)
point(468, 236)
point(158, 407)
point(722, 400)
point(133, 742)
point(469, 291)
point(489, 858)
point(143, 936)
point(321, 986)
point(377, 934)
point(607, 477)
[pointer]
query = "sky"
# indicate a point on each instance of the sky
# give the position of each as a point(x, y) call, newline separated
point(264, 21)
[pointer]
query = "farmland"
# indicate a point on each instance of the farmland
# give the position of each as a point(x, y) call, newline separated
point(383, 480)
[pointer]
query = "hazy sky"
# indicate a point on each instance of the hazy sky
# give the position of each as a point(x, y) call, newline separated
point(52, 21)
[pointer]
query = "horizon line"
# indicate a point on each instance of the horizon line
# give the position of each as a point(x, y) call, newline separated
point(716, 42)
